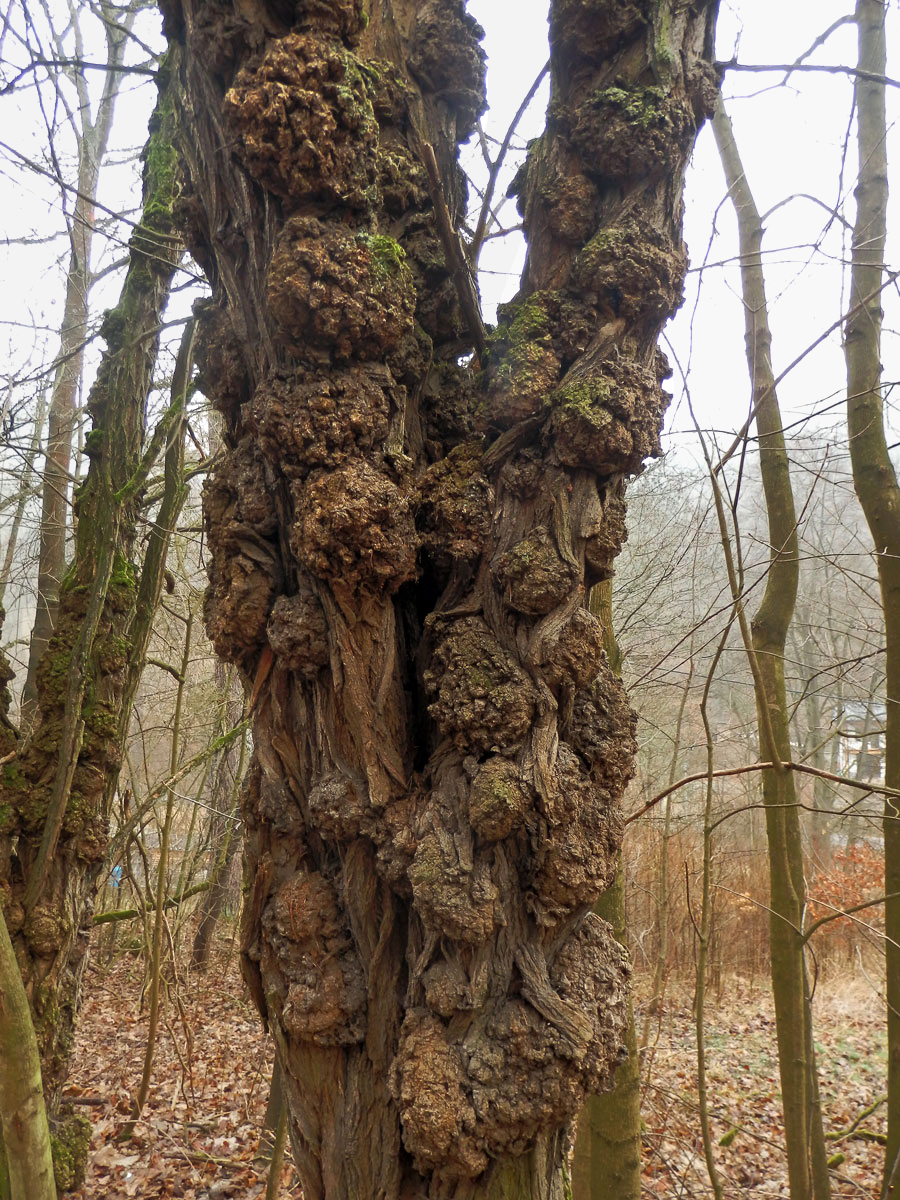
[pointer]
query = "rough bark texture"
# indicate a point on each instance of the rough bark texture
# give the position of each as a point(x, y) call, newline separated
point(400, 553)
point(54, 794)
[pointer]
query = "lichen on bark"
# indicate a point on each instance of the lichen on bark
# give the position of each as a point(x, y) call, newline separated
point(440, 746)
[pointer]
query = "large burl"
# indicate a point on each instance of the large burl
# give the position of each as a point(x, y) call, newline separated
point(403, 542)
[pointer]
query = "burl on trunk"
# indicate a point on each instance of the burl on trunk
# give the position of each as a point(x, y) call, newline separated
point(402, 538)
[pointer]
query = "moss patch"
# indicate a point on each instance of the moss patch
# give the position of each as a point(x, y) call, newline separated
point(388, 256)
point(523, 365)
point(69, 1144)
point(626, 132)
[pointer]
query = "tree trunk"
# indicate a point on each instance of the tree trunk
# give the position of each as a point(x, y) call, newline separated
point(608, 1145)
point(606, 1164)
point(804, 1137)
point(874, 477)
point(92, 141)
point(224, 837)
point(401, 547)
point(53, 811)
point(25, 492)
point(26, 1164)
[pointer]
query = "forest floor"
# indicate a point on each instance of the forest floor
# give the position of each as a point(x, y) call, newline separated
point(200, 1133)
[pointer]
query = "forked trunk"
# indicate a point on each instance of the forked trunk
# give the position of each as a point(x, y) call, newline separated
point(402, 537)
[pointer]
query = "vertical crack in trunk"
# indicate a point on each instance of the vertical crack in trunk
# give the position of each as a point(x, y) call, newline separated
point(400, 555)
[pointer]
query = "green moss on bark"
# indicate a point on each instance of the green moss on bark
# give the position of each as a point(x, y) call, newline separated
point(69, 1144)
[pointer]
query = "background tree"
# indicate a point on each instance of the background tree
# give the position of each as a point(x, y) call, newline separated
point(90, 123)
point(54, 816)
point(766, 651)
point(874, 477)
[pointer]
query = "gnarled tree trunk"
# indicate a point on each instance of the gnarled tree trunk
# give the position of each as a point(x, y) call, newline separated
point(401, 549)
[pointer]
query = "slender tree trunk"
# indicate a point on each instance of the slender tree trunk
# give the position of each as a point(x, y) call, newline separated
point(440, 747)
point(703, 927)
point(607, 1158)
point(52, 795)
point(276, 1162)
point(25, 1158)
point(224, 837)
point(661, 968)
point(27, 478)
point(162, 869)
point(817, 745)
point(804, 1137)
point(274, 1109)
point(874, 477)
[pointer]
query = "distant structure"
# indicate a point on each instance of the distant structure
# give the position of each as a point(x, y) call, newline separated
point(861, 740)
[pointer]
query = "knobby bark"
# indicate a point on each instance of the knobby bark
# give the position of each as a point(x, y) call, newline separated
point(53, 795)
point(804, 1136)
point(401, 546)
point(874, 477)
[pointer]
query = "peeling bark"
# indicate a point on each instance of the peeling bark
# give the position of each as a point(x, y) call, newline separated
point(400, 555)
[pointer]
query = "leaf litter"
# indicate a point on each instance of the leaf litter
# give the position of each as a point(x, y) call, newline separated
point(744, 1091)
point(200, 1135)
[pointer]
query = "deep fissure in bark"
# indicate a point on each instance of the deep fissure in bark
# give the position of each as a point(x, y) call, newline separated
point(400, 555)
